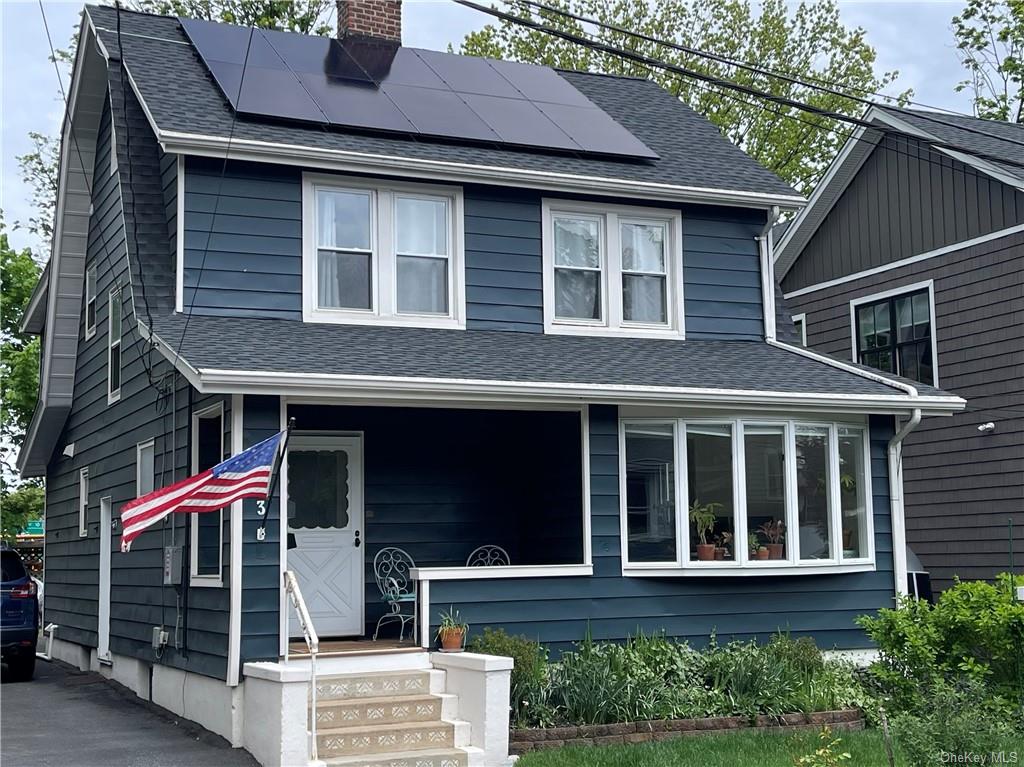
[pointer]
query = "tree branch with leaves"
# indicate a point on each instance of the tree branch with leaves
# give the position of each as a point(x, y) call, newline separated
point(990, 42)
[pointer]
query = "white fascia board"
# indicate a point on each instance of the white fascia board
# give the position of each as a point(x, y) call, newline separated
point(394, 387)
point(34, 319)
point(393, 165)
point(499, 572)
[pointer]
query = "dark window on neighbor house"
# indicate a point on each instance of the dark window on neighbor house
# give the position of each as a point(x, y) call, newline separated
point(895, 335)
point(90, 301)
point(207, 527)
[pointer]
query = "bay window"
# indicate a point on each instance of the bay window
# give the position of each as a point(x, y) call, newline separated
point(612, 269)
point(382, 253)
point(783, 496)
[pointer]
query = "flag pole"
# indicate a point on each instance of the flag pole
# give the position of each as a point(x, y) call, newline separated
point(261, 531)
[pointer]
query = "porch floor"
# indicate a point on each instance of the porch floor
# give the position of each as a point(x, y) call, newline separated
point(335, 647)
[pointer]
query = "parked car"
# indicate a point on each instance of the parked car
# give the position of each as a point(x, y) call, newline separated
point(19, 616)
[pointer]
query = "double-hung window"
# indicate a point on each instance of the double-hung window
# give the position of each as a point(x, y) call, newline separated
point(114, 346)
point(614, 270)
point(894, 332)
point(90, 301)
point(207, 527)
point(729, 494)
point(382, 253)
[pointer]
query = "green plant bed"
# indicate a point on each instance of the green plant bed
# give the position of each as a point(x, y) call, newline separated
point(753, 749)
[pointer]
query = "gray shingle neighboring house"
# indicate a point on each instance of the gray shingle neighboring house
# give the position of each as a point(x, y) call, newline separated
point(939, 212)
point(505, 418)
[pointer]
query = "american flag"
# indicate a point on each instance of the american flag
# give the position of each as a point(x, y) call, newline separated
point(246, 475)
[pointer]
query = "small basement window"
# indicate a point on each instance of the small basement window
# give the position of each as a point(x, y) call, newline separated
point(732, 494)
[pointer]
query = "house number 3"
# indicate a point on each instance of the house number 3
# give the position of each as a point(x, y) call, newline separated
point(261, 508)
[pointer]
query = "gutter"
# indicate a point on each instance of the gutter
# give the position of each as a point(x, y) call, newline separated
point(764, 249)
point(899, 522)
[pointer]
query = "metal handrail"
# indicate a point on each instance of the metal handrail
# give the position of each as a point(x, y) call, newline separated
point(291, 587)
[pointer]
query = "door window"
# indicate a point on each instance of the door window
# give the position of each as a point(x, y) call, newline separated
point(318, 492)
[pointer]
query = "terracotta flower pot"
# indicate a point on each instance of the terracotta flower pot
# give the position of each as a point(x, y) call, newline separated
point(775, 550)
point(762, 553)
point(705, 552)
point(452, 639)
point(720, 554)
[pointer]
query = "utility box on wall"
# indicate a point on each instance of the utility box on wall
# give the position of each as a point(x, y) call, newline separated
point(172, 565)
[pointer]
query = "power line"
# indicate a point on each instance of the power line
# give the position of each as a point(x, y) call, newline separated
point(806, 81)
point(722, 82)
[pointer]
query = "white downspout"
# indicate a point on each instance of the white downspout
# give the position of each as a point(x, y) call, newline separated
point(764, 245)
point(899, 526)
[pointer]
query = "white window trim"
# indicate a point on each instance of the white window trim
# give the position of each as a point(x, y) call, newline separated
point(885, 294)
point(802, 319)
point(384, 298)
point(90, 330)
point(83, 502)
point(195, 579)
point(149, 443)
point(742, 565)
point(611, 322)
point(113, 395)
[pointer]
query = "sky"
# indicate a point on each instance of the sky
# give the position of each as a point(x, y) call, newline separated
point(913, 37)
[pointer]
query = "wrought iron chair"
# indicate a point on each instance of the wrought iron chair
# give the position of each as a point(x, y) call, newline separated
point(488, 556)
point(391, 570)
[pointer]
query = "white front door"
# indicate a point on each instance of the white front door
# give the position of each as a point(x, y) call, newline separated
point(103, 643)
point(325, 516)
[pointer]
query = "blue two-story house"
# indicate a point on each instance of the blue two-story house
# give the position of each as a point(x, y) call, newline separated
point(506, 307)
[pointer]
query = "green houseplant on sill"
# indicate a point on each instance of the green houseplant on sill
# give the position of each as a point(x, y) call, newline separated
point(452, 631)
point(702, 517)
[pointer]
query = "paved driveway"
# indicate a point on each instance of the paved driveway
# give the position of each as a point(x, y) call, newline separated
point(66, 718)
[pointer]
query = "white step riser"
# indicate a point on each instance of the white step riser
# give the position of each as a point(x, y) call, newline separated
point(415, 737)
point(389, 685)
point(355, 713)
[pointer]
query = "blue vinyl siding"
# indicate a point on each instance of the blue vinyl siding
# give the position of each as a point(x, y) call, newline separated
point(105, 437)
point(243, 239)
point(504, 283)
point(243, 253)
point(722, 274)
point(559, 611)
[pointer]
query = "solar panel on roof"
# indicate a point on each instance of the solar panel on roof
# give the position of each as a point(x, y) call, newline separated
point(377, 85)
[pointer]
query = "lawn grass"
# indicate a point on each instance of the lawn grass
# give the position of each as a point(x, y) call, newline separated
point(740, 749)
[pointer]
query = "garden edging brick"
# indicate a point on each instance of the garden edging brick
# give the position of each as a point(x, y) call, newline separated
point(521, 741)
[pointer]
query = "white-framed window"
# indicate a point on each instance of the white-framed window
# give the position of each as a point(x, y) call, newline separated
point(738, 495)
point(83, 502)
point(90, 301)
point(612, 269)
point(800, 326)
point(376, 252)
point(114, 346)
point(207, 528)
point(145, 468)
point(894, 331)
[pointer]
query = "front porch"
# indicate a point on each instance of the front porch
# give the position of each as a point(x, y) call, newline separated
point(437, 483)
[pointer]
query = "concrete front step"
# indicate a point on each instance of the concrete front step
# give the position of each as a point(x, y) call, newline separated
point(443, 757)
point(388, 738)
point(383, 684)
point(353, 712)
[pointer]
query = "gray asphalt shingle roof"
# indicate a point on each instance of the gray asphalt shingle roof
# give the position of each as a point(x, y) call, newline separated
point(994, 139)
point(288, 346)
point(182, 96)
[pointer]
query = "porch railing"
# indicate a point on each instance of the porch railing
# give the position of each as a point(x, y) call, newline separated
point(291, 587)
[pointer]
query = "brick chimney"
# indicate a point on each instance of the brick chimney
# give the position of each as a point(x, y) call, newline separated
point(381, 19)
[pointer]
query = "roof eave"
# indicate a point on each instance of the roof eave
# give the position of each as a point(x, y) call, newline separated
point(34, 319)
point(395, 165)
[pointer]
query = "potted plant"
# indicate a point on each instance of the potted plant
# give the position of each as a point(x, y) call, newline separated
point(775, 531)
point(702, 516)
point(452, 631)
point(753, 545)
point(761, 553)
point(722, 541)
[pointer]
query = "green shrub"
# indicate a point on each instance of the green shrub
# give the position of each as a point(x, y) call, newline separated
point(957, 718)
point(975, 630)
point(529, 683)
